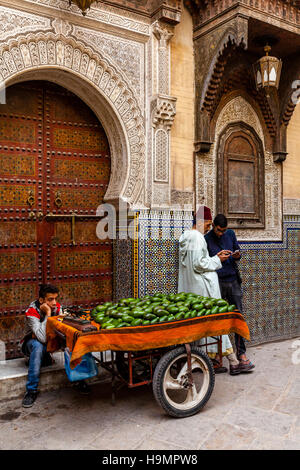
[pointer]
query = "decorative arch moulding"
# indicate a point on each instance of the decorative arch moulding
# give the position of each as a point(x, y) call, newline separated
point(219, 85)
point(51, 51)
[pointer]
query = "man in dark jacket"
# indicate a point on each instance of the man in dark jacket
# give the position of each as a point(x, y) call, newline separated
point(221, 238)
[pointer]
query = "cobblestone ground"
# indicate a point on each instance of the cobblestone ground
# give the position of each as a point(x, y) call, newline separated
point(260, 410)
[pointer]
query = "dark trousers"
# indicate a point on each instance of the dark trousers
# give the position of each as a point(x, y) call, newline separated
point(232, 292)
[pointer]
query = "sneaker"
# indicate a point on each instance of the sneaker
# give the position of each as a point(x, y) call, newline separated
point(83, 387)
point(29, 399)
point(246, 366)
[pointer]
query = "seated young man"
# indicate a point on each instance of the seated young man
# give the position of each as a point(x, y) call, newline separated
point(35, 341)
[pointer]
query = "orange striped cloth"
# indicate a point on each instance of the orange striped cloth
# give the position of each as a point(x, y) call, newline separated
point(139, 338)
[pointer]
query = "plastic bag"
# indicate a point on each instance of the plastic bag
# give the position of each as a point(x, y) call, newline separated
point(86, 369)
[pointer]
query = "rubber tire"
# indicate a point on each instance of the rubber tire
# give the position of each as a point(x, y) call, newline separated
point(158, 381)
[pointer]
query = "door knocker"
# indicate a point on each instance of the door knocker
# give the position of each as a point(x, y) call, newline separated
point(58, 200)
point(30, 201)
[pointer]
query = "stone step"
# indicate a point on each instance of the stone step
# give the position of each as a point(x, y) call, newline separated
point(13, 376)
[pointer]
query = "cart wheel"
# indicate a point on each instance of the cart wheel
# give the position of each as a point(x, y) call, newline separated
point(171, 385)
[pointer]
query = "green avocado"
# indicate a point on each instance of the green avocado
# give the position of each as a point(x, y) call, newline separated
point(148, 309)
point(121, 325)
point(183, 309)
point(127, 318)
point(137, 313)
point(231, 308)
point(197, 307)
point(202, 312)
point(215, 310)
point(171, 317)
point(149, 316)
point(163, 319)
point(223, 309)
point(179, 316)
point(208, 305)
point(162, 313)
point(172, 309)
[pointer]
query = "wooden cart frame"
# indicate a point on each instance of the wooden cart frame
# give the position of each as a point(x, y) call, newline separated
point(119, 379)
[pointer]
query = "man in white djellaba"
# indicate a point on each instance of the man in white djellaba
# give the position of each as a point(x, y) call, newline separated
point(197, 274)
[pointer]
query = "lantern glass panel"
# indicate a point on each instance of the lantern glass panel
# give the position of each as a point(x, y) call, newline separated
point(258, 77)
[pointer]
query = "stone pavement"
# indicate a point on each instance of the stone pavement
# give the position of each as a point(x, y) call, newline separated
point(253, 411)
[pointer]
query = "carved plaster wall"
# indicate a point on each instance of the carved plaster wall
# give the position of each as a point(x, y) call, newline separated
point(108, 15)
point(14, 22)
point(239, 110)
point(127, 54)
point(86, 60)
point(162, 114)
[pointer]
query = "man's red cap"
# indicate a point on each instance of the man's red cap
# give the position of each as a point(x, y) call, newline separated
point(203, 213)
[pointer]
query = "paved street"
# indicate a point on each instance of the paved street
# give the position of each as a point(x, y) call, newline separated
point(260, 410)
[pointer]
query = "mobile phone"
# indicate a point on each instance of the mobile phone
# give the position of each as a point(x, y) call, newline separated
point(235, 252)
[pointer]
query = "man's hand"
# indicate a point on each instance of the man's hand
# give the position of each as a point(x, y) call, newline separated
point(46, 309)
point(224, 255)
point(236, 254)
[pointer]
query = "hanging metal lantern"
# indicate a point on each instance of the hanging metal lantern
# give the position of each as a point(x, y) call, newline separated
point(267, 71)
point(84, 5)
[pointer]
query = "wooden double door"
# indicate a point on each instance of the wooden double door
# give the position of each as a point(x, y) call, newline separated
point(54, 172)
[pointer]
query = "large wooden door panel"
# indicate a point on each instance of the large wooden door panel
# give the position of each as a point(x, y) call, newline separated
point(78, 158)
point(54, 159)
point(21, 135)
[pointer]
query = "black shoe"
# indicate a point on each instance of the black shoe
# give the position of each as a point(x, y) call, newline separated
point(234, 369)
point(29, 399)
point(217, 367)
point(83, 387)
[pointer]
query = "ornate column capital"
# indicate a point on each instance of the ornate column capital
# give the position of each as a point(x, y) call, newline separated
point(162, 34)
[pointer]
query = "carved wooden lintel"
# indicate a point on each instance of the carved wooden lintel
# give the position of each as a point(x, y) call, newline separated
point(169, 11)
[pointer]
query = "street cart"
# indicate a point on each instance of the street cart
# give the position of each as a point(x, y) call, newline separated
point(166, 355)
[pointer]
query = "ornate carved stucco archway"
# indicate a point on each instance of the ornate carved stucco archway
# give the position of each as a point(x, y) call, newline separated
point(239, 109)
point(98, 82)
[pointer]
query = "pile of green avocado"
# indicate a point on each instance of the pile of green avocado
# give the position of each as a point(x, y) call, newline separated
point(158, 308)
